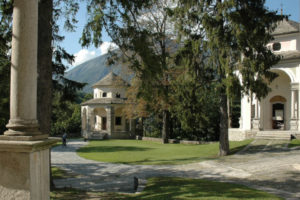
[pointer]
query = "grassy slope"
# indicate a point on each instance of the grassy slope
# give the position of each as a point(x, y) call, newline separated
point(175, 188)
point(182, 188)
point(294, 143)
point(151, 153)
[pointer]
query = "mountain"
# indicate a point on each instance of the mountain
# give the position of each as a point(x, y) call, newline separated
point(95, 69)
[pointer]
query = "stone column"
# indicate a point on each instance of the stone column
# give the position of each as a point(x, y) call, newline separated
point(256, 109)
point(298, 108)
point(297, 105)
point(91, 120)
point(293, 120)
point(24, 151)
point(293, 104)
point(245, 113)
point(256, 115)
point(110, 120)
point(23, 86)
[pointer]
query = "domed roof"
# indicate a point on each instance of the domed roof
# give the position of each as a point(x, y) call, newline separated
point(111, 79)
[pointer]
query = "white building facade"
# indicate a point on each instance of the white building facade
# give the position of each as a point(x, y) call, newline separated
point(102, 116)
point(278, 112)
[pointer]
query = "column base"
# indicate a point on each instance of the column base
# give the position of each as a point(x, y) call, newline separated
point(24, 169)
point(26, 130)
point(293, 125)
point(255, 124)
point(23, 138)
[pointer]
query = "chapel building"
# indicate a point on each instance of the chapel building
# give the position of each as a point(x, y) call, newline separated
point(102, 116)
point(276, 115)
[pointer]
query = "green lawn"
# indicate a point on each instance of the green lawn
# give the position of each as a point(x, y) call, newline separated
point(294, 143)
point(183, 188)
point(151, 153)
point(174, 188)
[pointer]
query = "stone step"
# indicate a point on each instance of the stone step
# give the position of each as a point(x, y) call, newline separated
point(272, 138)
point(273, 135)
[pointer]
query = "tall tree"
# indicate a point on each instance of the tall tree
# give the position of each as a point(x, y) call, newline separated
point(141, 29)
point(44, 90)
point(5, 37)
point(195, 99)
point(237, 32)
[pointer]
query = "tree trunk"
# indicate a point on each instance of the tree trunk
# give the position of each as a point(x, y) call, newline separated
point(44, 87)
point(229, 113)
point(166, 126)
point(171, 133)
point(224, 143)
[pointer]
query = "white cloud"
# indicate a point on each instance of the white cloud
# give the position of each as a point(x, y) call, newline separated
point(105, 46)
point(84, 55)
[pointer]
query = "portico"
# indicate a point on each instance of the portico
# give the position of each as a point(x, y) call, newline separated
point(279, 110)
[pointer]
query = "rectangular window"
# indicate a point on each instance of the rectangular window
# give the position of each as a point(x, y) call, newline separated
point(118, 121)
point(104, 94)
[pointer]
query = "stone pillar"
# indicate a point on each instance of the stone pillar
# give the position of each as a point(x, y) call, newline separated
point(84, 122)
point(23, 86)
point(293, 120)
point(245, 113)
point(110, 120)
point(256, 115)
point(24, 169)
point(293, 104)
point(24, 151)
point(91, 120)
point(298, 107)
point(256, 109)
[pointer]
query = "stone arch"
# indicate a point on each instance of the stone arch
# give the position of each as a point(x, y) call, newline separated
point(277, 98)
point(100, 119)
point(288, 72)
point(277, 102)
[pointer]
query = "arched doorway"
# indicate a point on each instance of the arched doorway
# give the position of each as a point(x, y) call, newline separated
point(100, 119)
point(120, 122)
point(275, 108)
point(278, 110)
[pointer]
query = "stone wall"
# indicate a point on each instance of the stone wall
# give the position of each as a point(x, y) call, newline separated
point(122, 135)
point(236, 134)
point(171, 141)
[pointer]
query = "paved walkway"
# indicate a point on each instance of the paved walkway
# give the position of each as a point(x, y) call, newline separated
point(264, 165)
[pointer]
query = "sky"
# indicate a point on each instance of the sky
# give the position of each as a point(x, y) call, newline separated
point(72, 45)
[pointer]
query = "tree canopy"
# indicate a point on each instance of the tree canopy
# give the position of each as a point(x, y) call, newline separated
point(236, 33)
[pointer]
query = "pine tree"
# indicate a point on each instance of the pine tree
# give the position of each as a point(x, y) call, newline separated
point(237, 32)
point(5, 36)
point(194, 96)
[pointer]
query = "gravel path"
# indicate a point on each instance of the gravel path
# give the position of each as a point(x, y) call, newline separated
point(264, 165)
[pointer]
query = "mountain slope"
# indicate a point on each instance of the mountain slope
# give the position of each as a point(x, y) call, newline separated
point(95, 69)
